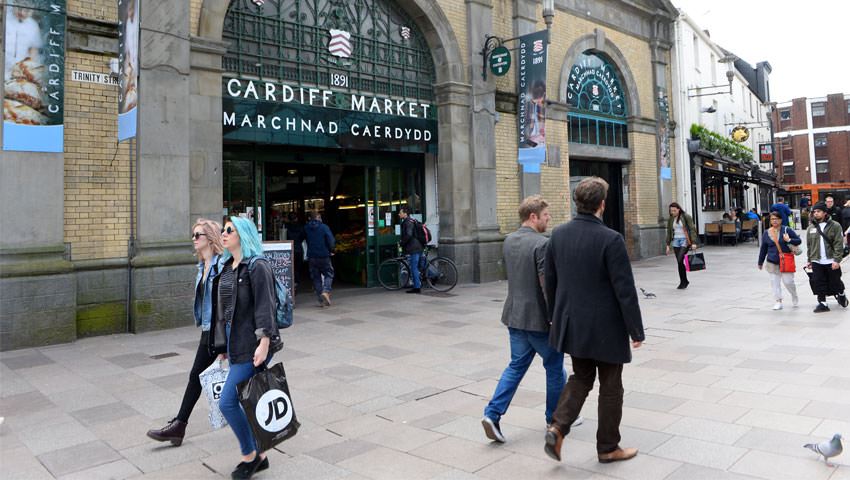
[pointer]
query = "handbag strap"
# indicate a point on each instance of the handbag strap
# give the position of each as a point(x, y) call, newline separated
point(776, 242)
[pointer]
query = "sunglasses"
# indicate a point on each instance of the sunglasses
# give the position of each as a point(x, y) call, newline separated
point(198, 235)
point(228, 230)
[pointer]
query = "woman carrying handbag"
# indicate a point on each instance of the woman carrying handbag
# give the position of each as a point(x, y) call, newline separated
point(779, 244)
point(680, 232)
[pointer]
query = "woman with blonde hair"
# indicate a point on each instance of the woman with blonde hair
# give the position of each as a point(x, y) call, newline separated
point(206, 239)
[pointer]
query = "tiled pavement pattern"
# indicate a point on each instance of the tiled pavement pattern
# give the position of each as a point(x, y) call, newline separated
point(392, 386)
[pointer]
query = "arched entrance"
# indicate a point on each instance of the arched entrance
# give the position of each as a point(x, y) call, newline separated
point(332, 105)
point(602, 106)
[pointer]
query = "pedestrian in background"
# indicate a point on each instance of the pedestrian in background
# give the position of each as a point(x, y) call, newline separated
point(525, 315)
point(825, 246)
point(833, 211)
point(245, 309)
point(776, 241)
point(681, 235)
point(845, 216)
point(411, 246)
point(295, 232)
point(206, 240)
point(783, 210)
point(320, 247)
point(593, 306)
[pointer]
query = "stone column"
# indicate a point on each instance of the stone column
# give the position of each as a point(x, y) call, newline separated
point(37, 287)
point(525, 22)
point(162, 281)
point(479, 15)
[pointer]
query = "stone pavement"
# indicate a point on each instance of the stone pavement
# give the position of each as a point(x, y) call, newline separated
point(392, 386)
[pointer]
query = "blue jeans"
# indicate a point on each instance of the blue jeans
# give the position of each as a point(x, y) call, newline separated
point(679, 242)
point(229, 401)
point(414, 269)
point(524, 345)
point(322, 274)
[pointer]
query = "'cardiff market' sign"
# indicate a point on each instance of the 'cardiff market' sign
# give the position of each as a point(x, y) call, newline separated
point(275, 113)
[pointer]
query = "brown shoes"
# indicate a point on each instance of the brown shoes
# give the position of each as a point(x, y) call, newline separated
point(173, 432)
point(618, 455)
point(326, 299)
point(554, 440)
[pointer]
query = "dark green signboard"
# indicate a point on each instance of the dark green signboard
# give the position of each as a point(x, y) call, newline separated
point(500, 61)
point(275, 113)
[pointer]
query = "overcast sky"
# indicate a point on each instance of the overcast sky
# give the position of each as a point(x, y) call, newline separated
point(806, 43)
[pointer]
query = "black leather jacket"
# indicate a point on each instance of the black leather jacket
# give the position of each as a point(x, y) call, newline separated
point(252, 315)
point(408, 237)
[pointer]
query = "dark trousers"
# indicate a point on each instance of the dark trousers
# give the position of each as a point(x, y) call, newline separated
point(575, 393)
point(680, 262)
point(826, 281)
point(203, 359)
point(322, 274)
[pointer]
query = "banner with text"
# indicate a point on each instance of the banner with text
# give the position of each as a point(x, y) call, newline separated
point(276, 113)
point(34, 75)
point(531, 93)
point(128, 68)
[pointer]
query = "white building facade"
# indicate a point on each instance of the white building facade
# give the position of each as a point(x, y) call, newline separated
point(713, 92)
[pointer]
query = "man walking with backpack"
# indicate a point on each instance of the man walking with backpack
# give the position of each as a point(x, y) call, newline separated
point(412, 243)
point(525, 314)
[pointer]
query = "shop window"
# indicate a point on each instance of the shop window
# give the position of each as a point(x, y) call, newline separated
point(712, 192)
point(238, 188)
point(736, 194)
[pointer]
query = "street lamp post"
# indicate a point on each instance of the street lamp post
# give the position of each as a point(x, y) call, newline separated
point(729, 60)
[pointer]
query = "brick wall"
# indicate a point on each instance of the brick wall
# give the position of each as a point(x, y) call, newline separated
point(106, 10)
point(97, 174)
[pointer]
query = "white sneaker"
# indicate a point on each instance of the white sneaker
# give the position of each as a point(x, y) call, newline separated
point(492, 430)
point(778, 306)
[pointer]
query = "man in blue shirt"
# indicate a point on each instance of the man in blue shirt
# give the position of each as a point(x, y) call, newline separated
point(783, 210)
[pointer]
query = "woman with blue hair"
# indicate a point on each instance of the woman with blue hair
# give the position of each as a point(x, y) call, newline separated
point(245, 311)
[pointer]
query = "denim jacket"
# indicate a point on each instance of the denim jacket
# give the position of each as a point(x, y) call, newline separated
point(203, 305)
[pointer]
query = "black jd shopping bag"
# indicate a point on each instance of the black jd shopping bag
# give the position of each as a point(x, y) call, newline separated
point(268, 406)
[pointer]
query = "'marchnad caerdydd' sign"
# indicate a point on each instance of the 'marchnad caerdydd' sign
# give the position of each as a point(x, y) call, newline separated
point(272, 112)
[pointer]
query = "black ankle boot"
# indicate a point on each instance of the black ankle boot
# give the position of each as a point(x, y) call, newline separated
point(173, 432)
point(245, 470)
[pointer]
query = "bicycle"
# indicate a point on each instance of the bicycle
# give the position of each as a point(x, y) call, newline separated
point(440, 273)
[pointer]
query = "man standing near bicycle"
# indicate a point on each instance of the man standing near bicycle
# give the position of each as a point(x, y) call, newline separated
point(412, 246)
point(525, 315)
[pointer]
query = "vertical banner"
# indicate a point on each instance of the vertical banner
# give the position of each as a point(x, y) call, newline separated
point(128, 67)
point(531, 93)
point(34, 75)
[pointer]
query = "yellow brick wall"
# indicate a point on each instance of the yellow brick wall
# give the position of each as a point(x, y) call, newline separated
point(507, 174)
point(106, 10)
point(194, 15)
point(97, 182)
point(555, 181)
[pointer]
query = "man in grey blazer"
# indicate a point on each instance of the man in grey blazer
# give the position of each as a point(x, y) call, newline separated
point(593, 306)
point(526, 316)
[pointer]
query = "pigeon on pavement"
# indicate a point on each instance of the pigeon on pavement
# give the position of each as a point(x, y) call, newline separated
point(647, 294)
point(827, 449)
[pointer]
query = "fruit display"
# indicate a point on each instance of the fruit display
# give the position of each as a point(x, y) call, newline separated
point(350, 241)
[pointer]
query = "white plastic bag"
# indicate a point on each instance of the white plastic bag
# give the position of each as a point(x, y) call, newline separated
point(212, 382)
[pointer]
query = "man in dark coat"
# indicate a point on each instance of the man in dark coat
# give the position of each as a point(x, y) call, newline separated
point(412, 246)
point(593, 306)
point(320, 247)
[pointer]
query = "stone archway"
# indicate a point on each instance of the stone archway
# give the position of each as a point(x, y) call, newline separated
point(598, 43)
point(453, 100)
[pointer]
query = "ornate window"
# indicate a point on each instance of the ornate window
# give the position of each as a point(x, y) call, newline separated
point(597, 102)
point(369, 46)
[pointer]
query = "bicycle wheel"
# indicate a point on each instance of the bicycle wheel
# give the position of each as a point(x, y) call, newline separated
point(393, 274)
point(441, 274)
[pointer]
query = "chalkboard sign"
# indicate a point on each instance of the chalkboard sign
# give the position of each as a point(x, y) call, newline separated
point(280, 255)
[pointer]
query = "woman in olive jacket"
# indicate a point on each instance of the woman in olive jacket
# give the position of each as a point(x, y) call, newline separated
point(245, 311)
point(682, 236)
